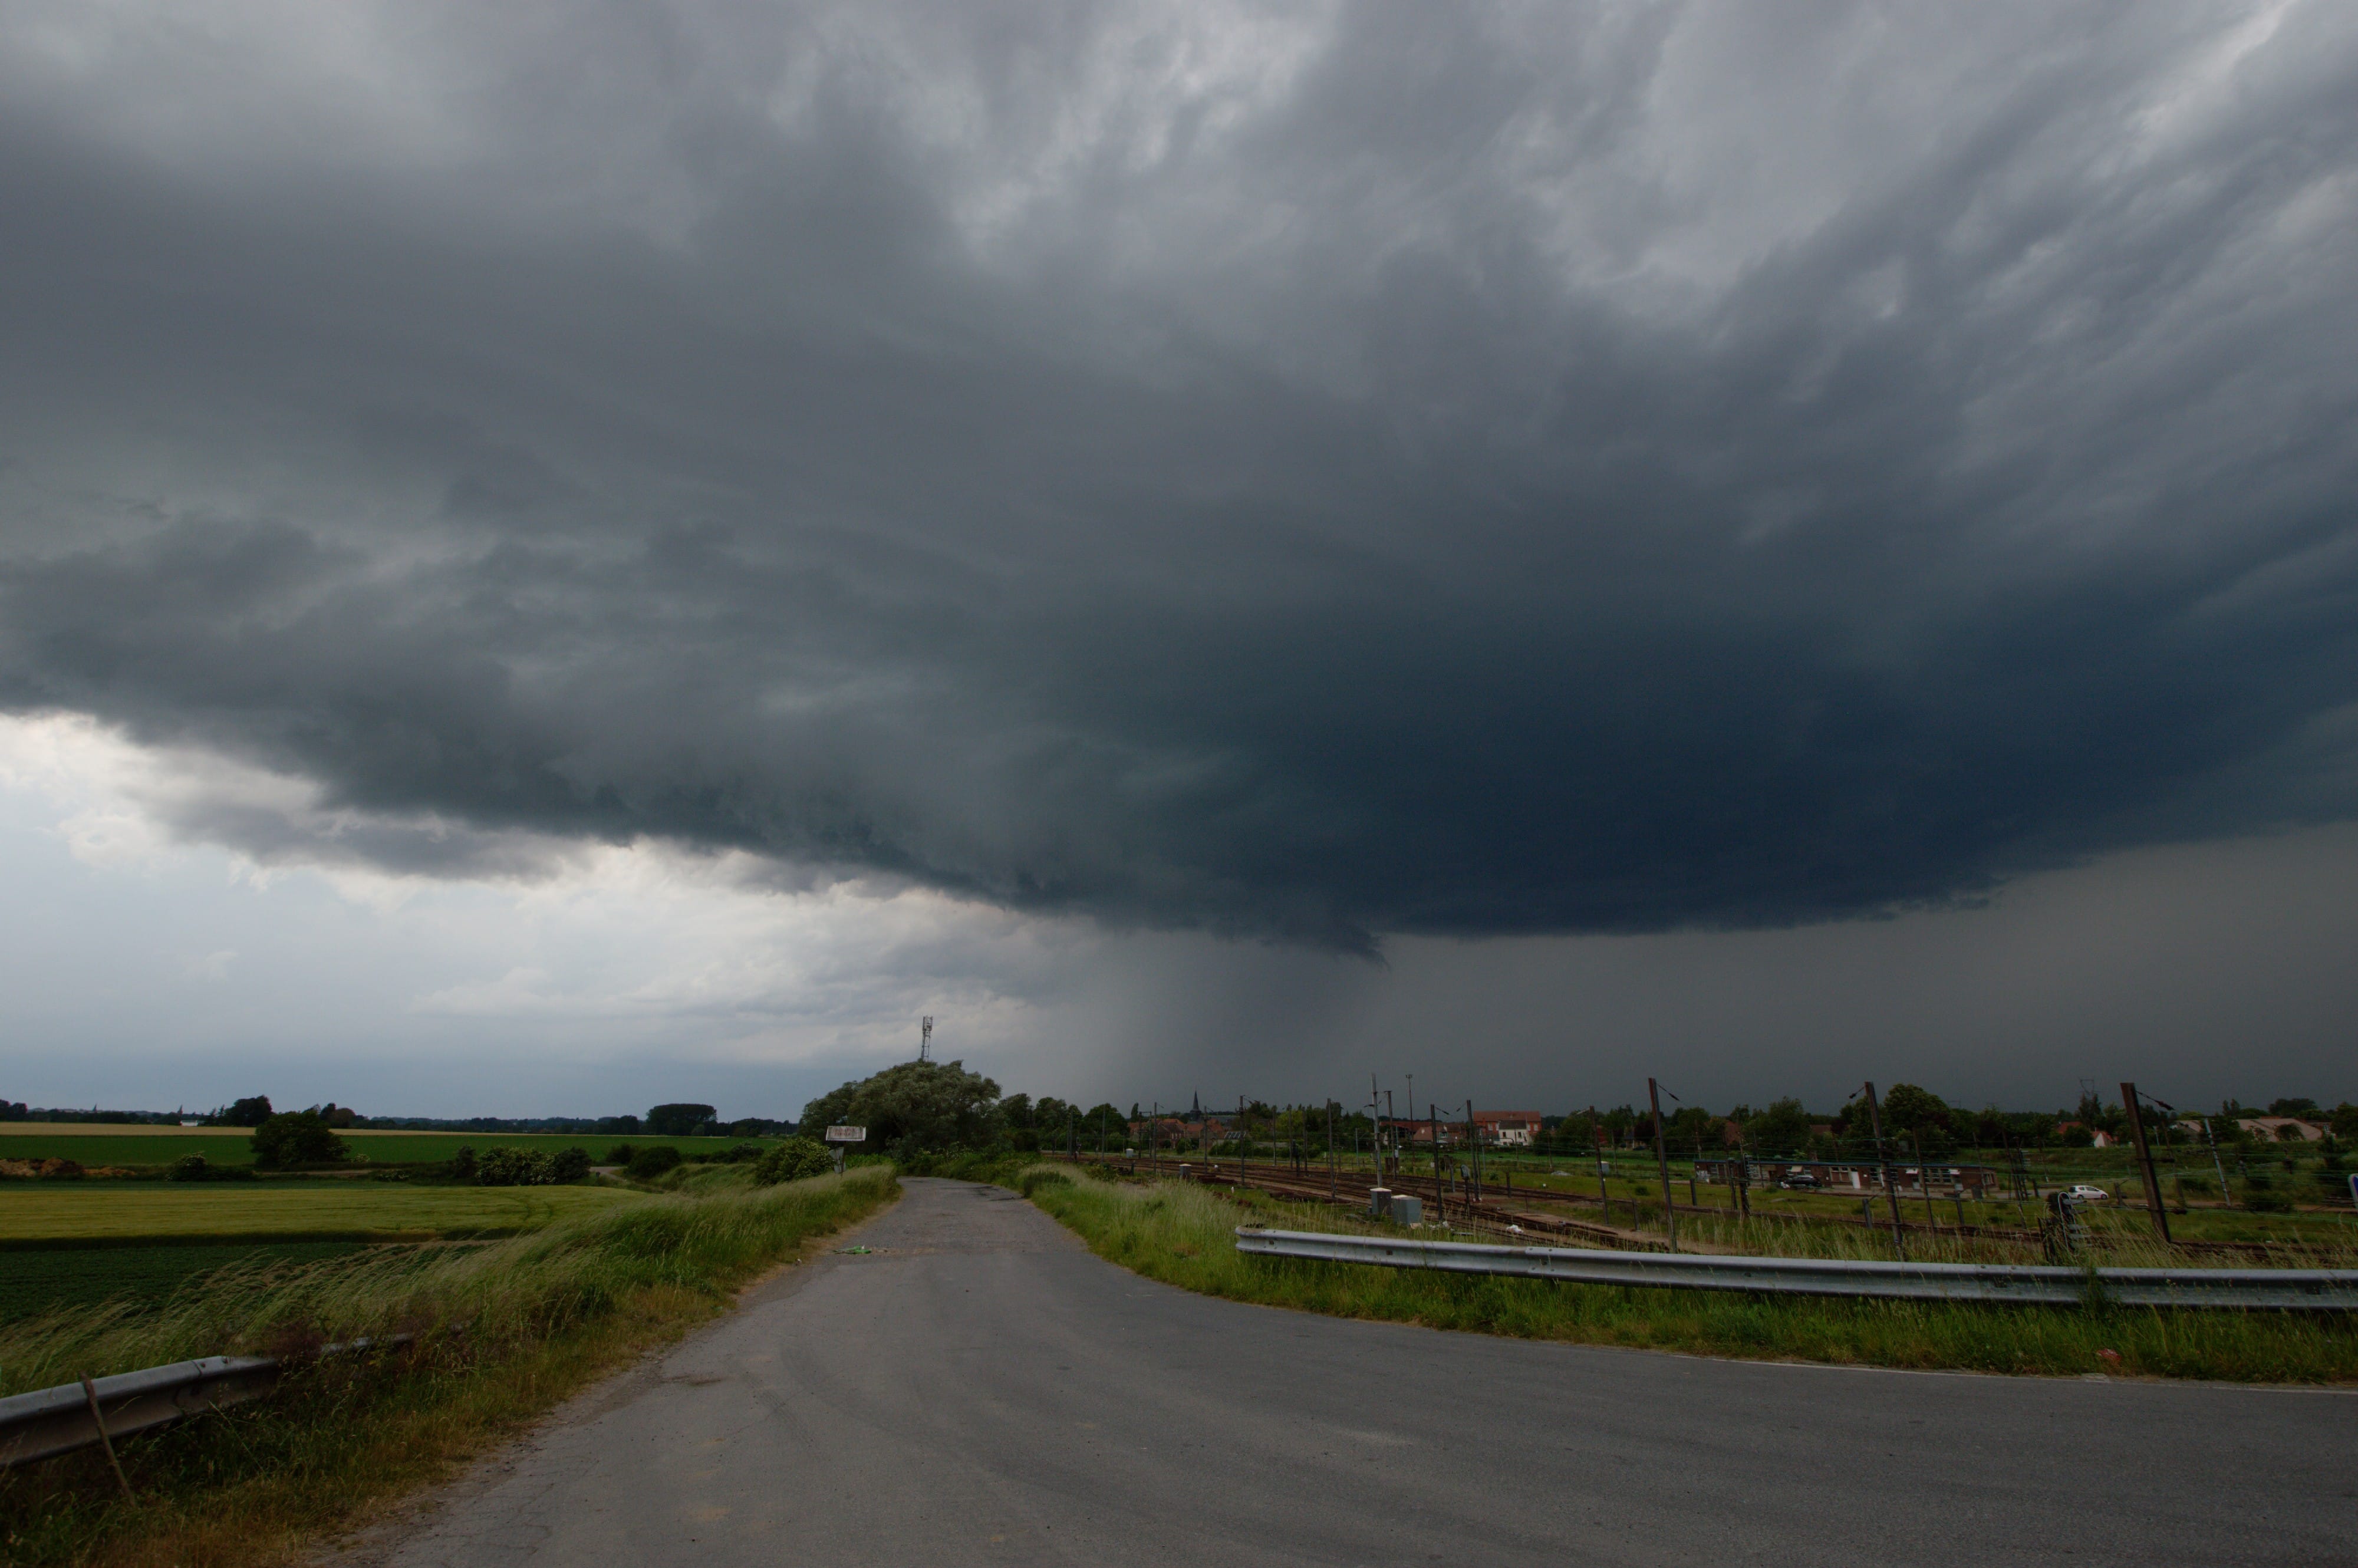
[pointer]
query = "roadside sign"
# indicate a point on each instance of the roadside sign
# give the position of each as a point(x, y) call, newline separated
point(846, 1135)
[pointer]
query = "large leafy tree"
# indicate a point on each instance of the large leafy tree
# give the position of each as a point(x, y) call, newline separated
point(251, 1112)
point(1782, 1129)
point(297, 1138)
point(914, 1108)
point(680, 1120)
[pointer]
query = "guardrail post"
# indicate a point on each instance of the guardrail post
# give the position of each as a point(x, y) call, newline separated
point(98, 1420)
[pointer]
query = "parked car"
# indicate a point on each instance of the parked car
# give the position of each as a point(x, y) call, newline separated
point(2083, 1193)
point(1799, 1182)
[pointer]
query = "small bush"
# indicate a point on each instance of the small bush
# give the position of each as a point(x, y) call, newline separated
point(735, 1154)
point(653, 1161)
point(462, 1163)
point(503, 1166)
point(189, 1168)
point(620, 1154)
point(1032, 1180)
point(793, 1160)
point(509, 1167)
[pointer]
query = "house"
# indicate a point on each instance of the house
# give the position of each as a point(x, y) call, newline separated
point(1508, 1129)
point(2281, 1128)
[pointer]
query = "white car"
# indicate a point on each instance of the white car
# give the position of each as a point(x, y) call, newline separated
point(2083, 1193)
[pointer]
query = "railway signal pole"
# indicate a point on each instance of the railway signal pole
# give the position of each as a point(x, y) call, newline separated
point(2145, 1163)
point(1661, 1161)
point(1882, 1163)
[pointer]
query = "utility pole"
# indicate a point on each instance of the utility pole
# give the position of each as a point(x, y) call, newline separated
point(2145, 1163)
point(925, 1037)
point(1411, 1116)
point(1474, 1137)
point(1333, 1188)
point(1882, 1163)
point(1604, 1197)
point(1433, 1125)
point(2225, 1196)
point(1661, 1163)
point(1243, 1161)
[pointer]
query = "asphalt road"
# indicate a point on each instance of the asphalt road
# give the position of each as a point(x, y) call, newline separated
point(981, 1390)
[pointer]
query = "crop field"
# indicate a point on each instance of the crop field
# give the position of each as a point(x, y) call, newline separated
point(38, 1280)
point(113, 1212)
point(139, 1146)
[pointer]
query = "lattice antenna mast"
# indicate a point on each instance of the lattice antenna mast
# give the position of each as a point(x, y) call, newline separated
point(925, 1037)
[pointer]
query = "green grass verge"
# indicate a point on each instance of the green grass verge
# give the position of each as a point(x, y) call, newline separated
point(1184, 1236)
point(503, 1332)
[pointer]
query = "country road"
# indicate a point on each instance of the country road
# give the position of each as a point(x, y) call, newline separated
point(981, 1390)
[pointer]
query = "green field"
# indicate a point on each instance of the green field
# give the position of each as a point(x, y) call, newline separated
point(39, 1279)
point(104, 1212)
point(228, 1146)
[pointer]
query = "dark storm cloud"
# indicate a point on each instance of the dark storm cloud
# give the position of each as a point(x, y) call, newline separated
point(1407, 472)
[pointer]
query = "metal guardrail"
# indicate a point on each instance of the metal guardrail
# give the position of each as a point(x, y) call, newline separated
point(2276, 1289)
point(49, 1422)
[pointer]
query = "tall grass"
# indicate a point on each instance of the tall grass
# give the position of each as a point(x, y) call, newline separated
point(499, 1332)
point(1184, 1236)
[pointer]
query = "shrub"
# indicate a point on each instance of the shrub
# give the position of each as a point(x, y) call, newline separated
point(297, 1138)
point(620, 1154)
point(793, 1160)
point(653, 1161)
point(189, 1168)
point(1032, 1180)
point(569, 1165)
point(462, 1163)
point(2260, 1195)
point(504, 1166)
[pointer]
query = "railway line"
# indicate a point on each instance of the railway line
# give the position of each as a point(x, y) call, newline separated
point(1506, 1213)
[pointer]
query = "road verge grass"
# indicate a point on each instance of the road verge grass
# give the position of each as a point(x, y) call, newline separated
point(498, 1333)
point(1183, 1235)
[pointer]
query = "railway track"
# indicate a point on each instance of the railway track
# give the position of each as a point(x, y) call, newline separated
point(1505, 1212)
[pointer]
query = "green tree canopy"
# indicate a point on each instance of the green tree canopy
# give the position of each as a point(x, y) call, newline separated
point(679, 1121)
point(297, 1138)
point(914, 1108)
point(1691, 1127)
point(1783, 1128)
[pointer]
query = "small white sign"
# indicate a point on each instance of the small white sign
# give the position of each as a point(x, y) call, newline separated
point(846, 1135)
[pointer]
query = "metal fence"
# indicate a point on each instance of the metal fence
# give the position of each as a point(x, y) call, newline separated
point(2277, 1289)
point(75, 1415)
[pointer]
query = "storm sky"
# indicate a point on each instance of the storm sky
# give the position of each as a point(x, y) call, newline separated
point(553, 557)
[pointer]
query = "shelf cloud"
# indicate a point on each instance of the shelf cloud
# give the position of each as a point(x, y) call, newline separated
point(1327, 475)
